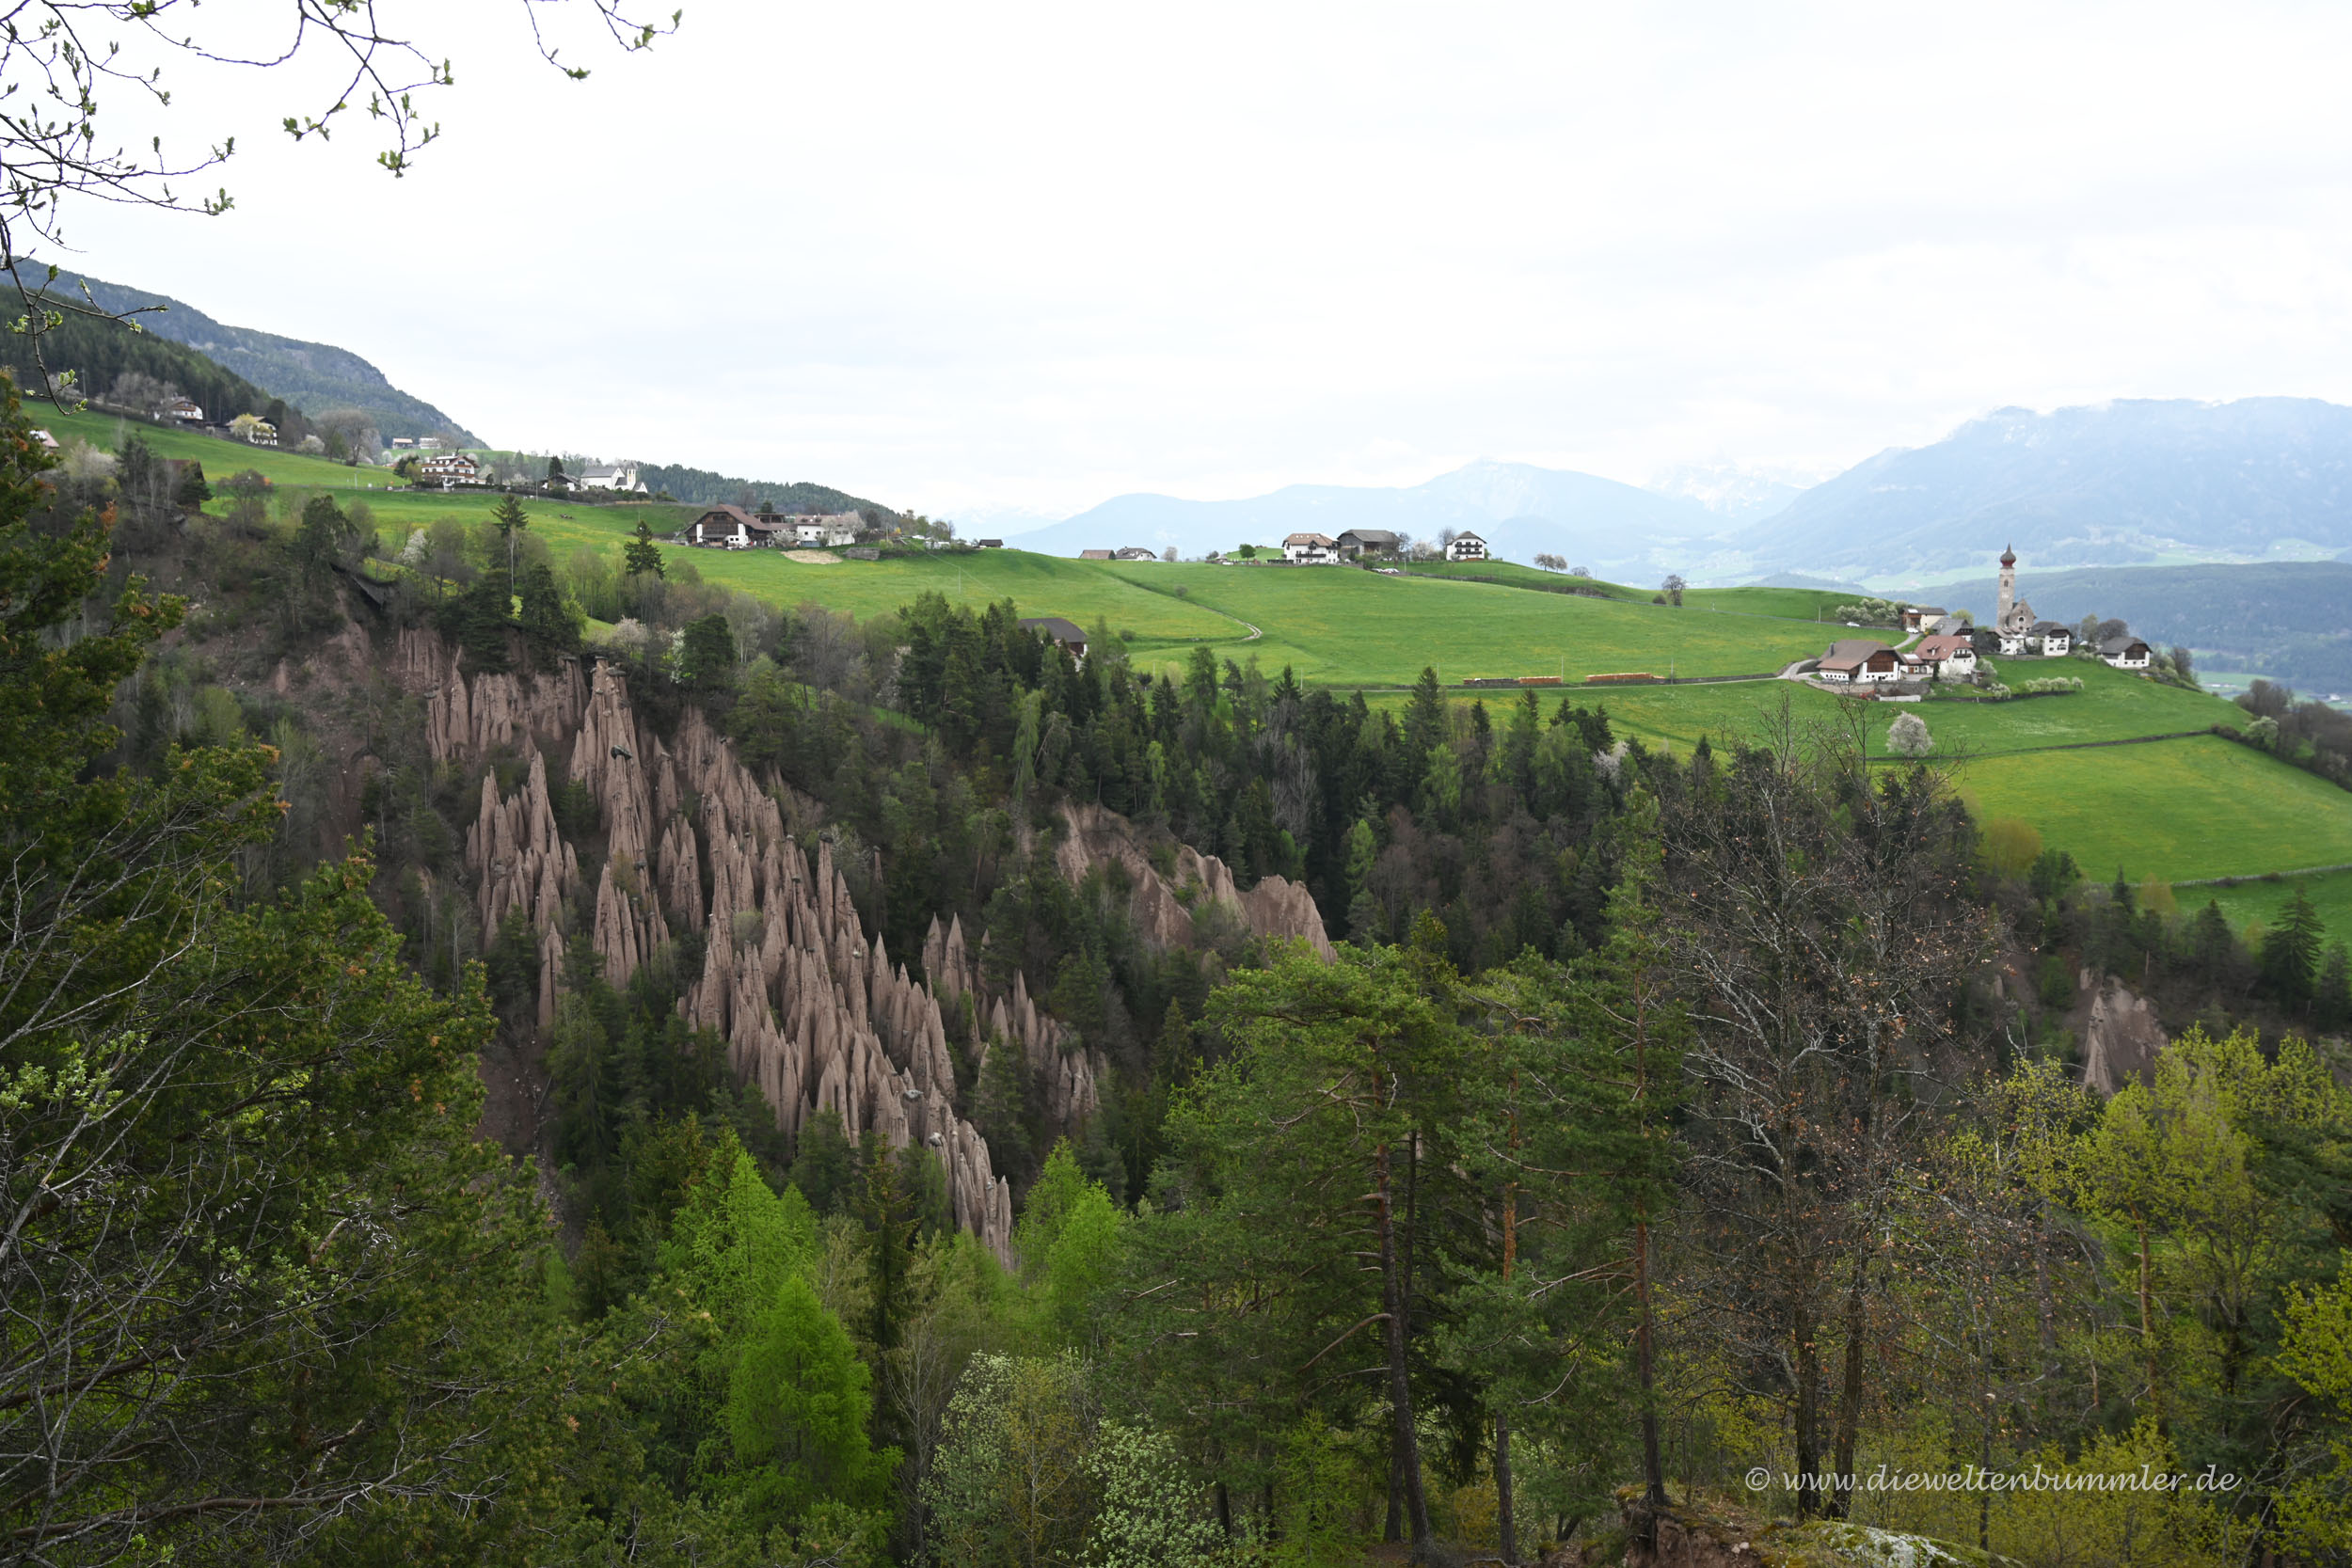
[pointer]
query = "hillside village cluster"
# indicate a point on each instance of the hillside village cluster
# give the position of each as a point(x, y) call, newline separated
point(1356, 547)
point(1949, 647)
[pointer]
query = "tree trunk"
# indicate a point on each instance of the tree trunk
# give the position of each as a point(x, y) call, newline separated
point(1507, 1527)
point(1653, 1471)
point(1407, 1448)
point(1807, 1413)
point(1392, 1528)
point(2147, 1325)
point(1840, 1503)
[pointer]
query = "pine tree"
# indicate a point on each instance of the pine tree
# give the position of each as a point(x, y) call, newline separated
point(192, 492)
point(706, 659)
point(2290, 956)
point(510, 519)
point(547, 614)
point(639, 556)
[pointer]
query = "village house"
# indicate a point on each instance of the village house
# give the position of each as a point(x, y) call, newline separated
point(183, 409)
point(1135, 552)
point(404, 443)
point(730, 528)
point(1919, 617)
point(260, 432)
point(2125, 651)
point(1466, 546)
point(1367, 543)
point(988, 544)
point(831, 529)
point(1094, 555)
point(1063, 630)
point(1311, 550)
point(1858, 662)
point(2055, 638)
point(447, 469)
point(1949, 654)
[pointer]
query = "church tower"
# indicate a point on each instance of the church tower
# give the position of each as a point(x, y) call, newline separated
point(2008, 586)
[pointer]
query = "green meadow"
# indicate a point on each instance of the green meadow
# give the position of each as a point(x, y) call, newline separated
point(2173, 809)
point(1345, 627)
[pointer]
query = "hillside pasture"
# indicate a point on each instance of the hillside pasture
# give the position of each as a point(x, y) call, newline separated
point(2114, 705)
point(2172, 809)
point(1345, 627)
point(1786, 604)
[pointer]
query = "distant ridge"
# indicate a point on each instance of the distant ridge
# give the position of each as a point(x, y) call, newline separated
point(2116, 483)
point(315, 377)
point(703, 487)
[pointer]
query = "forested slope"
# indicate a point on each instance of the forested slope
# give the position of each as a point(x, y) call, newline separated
point(1642, 1119)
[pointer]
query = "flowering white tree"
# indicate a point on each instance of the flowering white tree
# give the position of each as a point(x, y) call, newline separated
point(1908, 736)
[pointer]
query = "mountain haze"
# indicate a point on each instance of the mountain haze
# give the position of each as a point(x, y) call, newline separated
point(1517, 508)
point(316, 378)
point(2115, 483)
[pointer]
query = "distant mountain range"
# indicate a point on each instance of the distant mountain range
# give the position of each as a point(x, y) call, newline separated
point(2113, 484)
point(316, 378)
point(1618, 530)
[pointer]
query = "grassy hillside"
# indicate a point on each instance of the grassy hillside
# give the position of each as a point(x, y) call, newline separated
point(2170, 809)
point(2203, 807)
point(1789, 603)
point(1359, 628)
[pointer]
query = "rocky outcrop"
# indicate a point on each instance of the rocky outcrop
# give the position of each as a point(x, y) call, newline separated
point(812, 1010)
point(466, 721)
point(1276, 908)
point(520, 864)
point(1066, 1075)
point(2121, 1034)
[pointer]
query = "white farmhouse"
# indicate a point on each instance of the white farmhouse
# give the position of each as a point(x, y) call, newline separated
point(1466, 546)
point(1311, 550)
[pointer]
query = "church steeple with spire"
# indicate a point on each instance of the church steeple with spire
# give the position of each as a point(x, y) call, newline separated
point(2008, 586)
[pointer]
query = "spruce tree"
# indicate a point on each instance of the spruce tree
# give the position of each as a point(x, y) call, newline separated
point(193, 491)
point(2290, 956)
point(547, 614)
point(639, 556)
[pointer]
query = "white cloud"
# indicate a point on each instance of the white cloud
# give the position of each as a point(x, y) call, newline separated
point(1029, 256)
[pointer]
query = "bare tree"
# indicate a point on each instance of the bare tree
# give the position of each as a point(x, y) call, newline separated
point(1819, 914)
point(1673, 588)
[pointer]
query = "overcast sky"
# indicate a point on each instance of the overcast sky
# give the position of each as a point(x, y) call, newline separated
point(958, 258)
